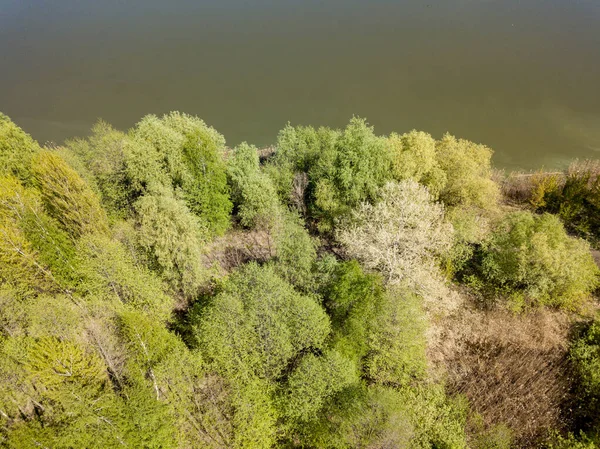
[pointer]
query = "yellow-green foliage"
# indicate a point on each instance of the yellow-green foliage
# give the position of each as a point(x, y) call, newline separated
point(20, 266)
point(173, 239)
point(534, 255)
point(467, 166)
point(16, 149)
point(53, 363)
point(258, 323)
point(397, 341)
point(107, 270)
point(252, 190)
point(66, 197)
point(192, 154)
point(124, 167)
point(414, 156)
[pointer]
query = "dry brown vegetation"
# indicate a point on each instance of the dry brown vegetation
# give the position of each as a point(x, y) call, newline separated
point(239, 247)
point(513, 369)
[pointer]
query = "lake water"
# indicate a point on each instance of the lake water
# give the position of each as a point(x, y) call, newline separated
point(521, 76)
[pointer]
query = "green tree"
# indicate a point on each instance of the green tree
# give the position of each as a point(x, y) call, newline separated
point(344, 168)
point(467, 166)
point(252, 191)
point(533, 255)
point(16, 150)
point(258, 323)
point(173, 238)
point(192, 155)
point(106, 269)
point(66, 197)
point(397, 342)
point(414, 156)
point(125, 167)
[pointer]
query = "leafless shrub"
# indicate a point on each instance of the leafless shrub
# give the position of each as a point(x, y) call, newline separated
point(239, 247)
point(299, 185)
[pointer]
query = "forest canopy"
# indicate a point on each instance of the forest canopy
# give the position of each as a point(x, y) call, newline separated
point(159, 289)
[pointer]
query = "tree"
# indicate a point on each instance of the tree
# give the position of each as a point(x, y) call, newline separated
point(353, 300)
point(257, 324)
point(192, 155)
point(252, 191)
point(105, 269)
point(533, 255)
point(401, 236)
point(66, 197)
point(414, 156)
point(344, 168)
point(397, 342)
point(16, 150)
point(313, 382)
point(172, 237)
point(125, 167)
point(467, 166)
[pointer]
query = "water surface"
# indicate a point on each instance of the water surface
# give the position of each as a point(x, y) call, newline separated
point(519, 76)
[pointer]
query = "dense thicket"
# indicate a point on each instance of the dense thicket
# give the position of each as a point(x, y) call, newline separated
point(120, 324)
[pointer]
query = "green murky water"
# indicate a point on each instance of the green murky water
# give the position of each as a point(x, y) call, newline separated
point(520, 76)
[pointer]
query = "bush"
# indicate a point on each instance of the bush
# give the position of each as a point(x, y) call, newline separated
point(533, 255)
point(585, 356)
point(574, 197)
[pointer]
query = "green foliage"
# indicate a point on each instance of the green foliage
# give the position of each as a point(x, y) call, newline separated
point(534, 255)
point(66, 197)
point(296, 253)
point(414, 156)
point(107, 270)
point(571, 441)
point(192, 155)
point(258, 323)
point(252, 190)
point(172, 237)
point(16, 150)
point(585, 355)
point(397, 341)
point(412, 418)
point(344, 168)
point(575, 199)
point(353, 301)
point(124, 167)
point(467, 166)
point(314, 380)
